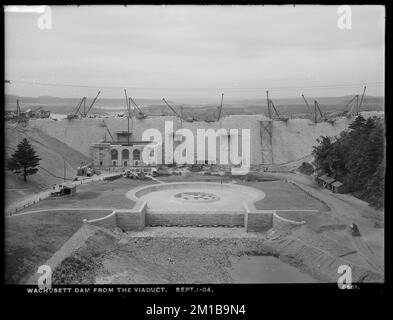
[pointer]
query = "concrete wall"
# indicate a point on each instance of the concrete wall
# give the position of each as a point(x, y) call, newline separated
point(292, 139)
point(134, 219)
point(258, 220)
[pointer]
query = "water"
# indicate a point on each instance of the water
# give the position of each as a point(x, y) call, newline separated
point(265, 269)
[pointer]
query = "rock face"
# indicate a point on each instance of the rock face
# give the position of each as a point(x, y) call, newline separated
point(291, 140)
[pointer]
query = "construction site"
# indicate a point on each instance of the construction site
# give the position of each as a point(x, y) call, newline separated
point(95, 157)
point(277, 139)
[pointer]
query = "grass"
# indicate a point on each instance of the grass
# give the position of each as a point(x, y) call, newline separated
point(33, 238)
point(282, 196)
point(107, 194)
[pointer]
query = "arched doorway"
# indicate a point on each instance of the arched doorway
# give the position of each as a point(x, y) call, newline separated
point(136, 156)
point(125, 156)
point(114, 157)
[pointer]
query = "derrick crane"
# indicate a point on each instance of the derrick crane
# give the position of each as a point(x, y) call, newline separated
point(74, 114)
point(91, 106)
point(107, 129)
point(361, 100)
point(271, 105)
point(170, 107)
point(140, 114)
point(351, 111)
point(316, 110)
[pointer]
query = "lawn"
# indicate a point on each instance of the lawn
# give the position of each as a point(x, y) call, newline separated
point(101, 194)
point(31, 239)
point(281, 195)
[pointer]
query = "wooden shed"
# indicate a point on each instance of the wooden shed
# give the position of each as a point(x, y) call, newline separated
point(325, 181)
point(338, 187)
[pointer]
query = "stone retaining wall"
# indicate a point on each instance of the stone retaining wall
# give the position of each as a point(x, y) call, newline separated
point(280, 223)
point(195, 219)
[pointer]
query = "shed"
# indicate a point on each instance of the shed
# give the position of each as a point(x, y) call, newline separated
point(338, 187)
point(325, 181)
point(67, 188)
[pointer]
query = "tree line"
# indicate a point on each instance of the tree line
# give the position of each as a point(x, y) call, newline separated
point(356, 158)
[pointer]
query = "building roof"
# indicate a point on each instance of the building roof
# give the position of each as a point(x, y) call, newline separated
point(326, 179)
point(337, 184)
point(68, 185)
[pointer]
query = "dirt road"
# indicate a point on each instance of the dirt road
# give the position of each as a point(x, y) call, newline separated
point(347, 209)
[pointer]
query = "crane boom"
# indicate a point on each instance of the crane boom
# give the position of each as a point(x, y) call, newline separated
point(308, 106)
point(169, 106)
point(107, 129)
point(134, 103)
point(272, 104)
point(91, 106)
point(220, 109)
point(17, 107)
point(77, 109)
point(361, 100)
point(127, 103)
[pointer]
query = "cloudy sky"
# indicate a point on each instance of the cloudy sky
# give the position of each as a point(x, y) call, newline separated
point(196, 51)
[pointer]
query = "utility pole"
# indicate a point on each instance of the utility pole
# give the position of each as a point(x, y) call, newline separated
point(64, 171)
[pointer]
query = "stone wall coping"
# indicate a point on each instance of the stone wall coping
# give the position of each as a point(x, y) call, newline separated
point(275, 215)
point(100, 219)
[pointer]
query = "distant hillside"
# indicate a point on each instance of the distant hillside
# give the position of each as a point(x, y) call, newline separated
point(71, 103)
point(201, 111)
point(321, 100)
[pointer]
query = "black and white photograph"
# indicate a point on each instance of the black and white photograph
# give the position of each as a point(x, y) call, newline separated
point(193, 145)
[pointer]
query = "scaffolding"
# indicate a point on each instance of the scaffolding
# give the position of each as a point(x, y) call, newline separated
point(266, 132)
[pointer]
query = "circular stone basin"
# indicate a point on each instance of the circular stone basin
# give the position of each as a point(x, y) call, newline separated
point(196, 197)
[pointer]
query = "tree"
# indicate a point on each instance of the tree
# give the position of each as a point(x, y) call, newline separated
point(357, 158)
point(24, 161)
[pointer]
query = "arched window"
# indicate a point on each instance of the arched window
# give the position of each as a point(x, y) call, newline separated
point(136, 154)
point(114, 154)
point(125, 154)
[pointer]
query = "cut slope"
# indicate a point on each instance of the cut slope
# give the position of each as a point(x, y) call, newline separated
point(53, 154)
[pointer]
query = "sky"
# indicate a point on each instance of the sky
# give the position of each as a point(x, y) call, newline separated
point(195, 52)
